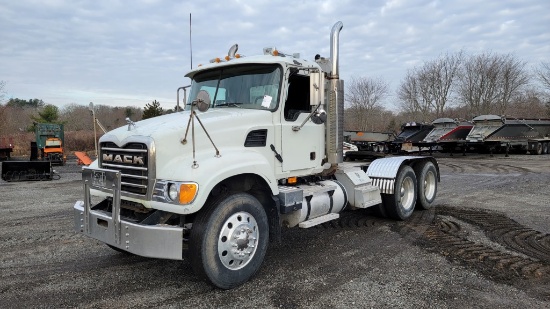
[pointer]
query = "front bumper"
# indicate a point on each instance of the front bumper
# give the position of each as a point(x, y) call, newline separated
point(155, 241)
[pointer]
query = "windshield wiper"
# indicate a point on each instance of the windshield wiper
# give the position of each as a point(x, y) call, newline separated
point(232, 104)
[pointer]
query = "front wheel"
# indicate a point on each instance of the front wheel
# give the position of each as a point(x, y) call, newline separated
point(426, 174)
point(400, 204)
point(229, 240)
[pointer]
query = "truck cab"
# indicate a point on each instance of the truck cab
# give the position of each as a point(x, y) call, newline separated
point(53, 150)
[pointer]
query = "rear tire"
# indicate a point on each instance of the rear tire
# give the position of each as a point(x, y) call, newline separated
point(545, 148)
point(229, 240)
point(400, 204)
point(426, 174)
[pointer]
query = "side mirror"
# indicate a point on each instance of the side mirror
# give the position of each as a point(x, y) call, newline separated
point(203, 101)
point(319, 117)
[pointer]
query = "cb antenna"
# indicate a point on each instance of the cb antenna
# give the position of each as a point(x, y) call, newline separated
point(190, 42)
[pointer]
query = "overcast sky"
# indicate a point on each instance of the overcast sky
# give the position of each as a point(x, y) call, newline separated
point(128, 53)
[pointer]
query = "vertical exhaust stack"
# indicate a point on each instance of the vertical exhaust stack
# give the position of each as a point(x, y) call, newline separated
point(334, 50)
point(335, 103)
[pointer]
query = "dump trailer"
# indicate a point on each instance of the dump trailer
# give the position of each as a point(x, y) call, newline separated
point(447, 135)
point(6, 147)
point(259, 148)
point(368, 141)
point(50, 139)
point(368, 144)
point(411, 132)
point(47, 149)
point(497, 134)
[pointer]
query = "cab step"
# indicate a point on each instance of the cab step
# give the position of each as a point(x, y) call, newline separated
point(318, 220)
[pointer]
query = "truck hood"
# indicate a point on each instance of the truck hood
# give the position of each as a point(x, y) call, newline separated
point(227, 127)
point(213, 119)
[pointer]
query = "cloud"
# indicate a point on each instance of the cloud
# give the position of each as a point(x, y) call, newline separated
point(131, 52)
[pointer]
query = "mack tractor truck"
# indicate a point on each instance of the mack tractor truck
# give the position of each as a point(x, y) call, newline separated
point(258, 148)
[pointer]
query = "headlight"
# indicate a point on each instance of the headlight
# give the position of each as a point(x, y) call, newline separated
point(173, 191)
point(180, 193)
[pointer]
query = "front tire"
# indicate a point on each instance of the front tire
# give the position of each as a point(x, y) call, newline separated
point(426, 174)
point(400, 204)
point(229, 240)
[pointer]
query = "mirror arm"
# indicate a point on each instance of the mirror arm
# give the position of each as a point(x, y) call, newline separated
point(297, 128)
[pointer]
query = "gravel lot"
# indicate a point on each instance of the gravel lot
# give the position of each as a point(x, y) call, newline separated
point(485, 245)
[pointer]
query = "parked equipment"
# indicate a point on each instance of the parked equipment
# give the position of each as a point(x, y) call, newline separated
point(82, 158)
point(411, 132)
point(368, 141)
point(447, 135)
point(6, 148)
point(26, 170)
point(496, 134)
point(50, 140)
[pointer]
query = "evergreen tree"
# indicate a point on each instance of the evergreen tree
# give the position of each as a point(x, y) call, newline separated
point(32, 103)
point(49, 114)
point(152, 109)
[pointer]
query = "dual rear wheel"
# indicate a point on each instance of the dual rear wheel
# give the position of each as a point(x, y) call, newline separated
point(414, 187)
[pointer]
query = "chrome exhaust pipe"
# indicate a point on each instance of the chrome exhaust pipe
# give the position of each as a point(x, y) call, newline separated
point(334, 42)
point(335, 104)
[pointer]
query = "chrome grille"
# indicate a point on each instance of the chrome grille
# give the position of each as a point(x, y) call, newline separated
point(132, 161)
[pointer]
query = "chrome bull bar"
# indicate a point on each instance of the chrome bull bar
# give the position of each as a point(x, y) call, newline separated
point(156, 241)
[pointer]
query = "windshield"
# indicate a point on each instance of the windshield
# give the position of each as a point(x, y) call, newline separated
point(244, 86)
point(53, 143)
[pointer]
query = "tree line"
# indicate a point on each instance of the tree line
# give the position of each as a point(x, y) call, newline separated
point(18, 118)
point(453, 85)
point(19, 115)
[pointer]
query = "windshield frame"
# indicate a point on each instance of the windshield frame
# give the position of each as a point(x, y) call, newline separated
point(247, 86)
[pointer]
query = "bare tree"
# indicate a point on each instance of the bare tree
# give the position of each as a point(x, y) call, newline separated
point(441, 74)
point(478, 83)
point(77, 118)
point(543, 74)
point(364, 96)
point(528, 104)
point(414, 94)
point(427, 90)
point(489, 81)
point(15, 119)
point(2, 90)
point(513, 77)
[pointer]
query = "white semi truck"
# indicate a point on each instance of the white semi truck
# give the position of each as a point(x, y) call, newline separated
point(258, 148)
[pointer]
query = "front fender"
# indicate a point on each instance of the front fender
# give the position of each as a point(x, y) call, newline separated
point(211, 170)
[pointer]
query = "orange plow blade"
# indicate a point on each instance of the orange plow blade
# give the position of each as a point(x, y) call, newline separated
point(83, 158)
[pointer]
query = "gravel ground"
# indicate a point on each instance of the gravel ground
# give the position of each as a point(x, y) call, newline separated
point(485, 245)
